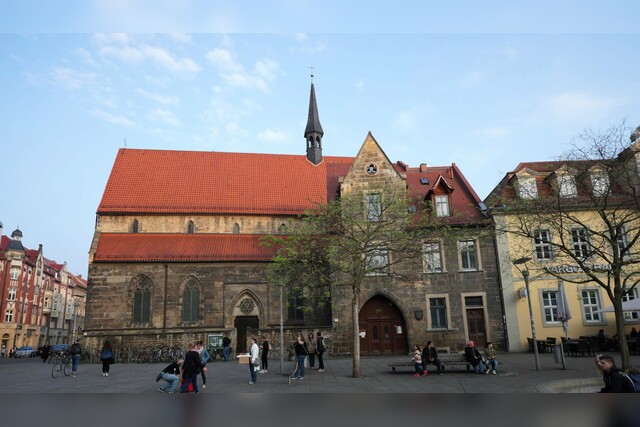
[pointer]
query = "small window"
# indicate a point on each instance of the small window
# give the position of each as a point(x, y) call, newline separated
point(15, 273)
point(438, 311)
point(191, 228)
point(442, 206)
point(580, 240)
point(432, 257)
point(282, 229)
point(631, 316)
point(550, 306)
point(8, 316)
point(599, 183)
point(591, 305)
point(12, 294)
point(542, 245)
point(468, 255)
point(377, 261)
point(374, 207)
point(236, 228)
point(527, 187)
point(567, 185)
point(473, 301)
point(134, 226)
point(191, 303)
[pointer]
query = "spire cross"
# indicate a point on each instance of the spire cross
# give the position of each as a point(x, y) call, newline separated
point(311, 68)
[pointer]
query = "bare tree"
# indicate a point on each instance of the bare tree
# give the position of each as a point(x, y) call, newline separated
point(349, 240)
point(588, 209)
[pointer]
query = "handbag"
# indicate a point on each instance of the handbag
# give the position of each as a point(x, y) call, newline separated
point(256, 362)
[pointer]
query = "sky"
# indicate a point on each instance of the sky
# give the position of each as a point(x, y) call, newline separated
point(483, 87)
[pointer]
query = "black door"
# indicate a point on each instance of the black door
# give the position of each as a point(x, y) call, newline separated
point(242, 323)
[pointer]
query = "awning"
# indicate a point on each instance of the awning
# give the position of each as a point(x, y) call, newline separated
point(630, 305)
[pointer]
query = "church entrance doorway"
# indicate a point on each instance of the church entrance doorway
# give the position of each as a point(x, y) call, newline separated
point(383, 330)
point(241, 323)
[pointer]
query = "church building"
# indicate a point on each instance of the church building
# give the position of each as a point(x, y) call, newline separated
point(177, 253)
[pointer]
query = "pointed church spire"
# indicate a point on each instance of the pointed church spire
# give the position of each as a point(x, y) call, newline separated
point(313, 132)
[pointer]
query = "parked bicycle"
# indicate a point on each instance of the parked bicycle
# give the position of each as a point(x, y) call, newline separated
point(61, 366)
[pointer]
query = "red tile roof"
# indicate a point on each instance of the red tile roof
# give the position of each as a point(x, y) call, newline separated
point(149, 247)
point(165, 181)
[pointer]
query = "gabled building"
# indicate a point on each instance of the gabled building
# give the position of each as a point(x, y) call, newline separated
point(39, 299)
point(568, 224)
point(177, 252)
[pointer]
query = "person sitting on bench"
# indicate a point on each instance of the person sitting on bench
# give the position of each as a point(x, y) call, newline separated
point(430, 355)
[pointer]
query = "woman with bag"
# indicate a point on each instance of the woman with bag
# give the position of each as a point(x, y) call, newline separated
point(300, 347)
point(106, 357)
point(254, 360)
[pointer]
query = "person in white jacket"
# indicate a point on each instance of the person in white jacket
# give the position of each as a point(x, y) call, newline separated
point(254, 360)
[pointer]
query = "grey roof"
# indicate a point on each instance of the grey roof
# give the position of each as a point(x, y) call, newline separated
point(313, 122)
point(15, 245)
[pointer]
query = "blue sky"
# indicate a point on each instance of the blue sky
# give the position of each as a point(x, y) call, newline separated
point(488, 90)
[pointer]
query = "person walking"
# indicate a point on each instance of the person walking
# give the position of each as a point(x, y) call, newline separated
point(320, 349)
point(204, 358)
point(614, 380)
point(46, 349)
point(171, 374)
point(191, 368)
point(74, 351)
point(254, 353)
point(300, 348)
point(106, 357)
point(264, 361)
point(312, 350)
point(226, 343)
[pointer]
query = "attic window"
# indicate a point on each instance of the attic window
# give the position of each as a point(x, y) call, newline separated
point(567, 186)
point(527, 187)
point(191, 227)
point(424, 181)
point(372, 169)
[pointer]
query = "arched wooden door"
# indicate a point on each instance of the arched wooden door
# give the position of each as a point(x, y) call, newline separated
point(383, 327)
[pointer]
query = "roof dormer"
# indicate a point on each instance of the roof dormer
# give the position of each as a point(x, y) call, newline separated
point(599, 178)
point(565, 182)
point(525, 184)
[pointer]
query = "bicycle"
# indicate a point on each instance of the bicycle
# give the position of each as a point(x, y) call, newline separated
point(61, 366)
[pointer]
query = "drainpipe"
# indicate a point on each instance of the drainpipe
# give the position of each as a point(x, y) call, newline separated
point(499, 274)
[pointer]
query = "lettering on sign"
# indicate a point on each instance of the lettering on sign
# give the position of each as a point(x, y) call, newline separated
point(568, 268)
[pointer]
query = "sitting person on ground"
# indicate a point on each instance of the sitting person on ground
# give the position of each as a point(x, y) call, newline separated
point(171, 374)
point(490, 358)
point(417, 361)
point(430, 355)
point(474, 358)
point(614, 380)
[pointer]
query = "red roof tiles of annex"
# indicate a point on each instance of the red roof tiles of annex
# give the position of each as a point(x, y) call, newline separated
point(166, 181)
point(176, 247)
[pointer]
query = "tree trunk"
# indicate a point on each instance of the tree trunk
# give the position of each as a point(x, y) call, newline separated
point(356, 334)
point(622, 338)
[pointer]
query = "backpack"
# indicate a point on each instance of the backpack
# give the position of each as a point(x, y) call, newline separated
point(320, 346)
point(634, 378)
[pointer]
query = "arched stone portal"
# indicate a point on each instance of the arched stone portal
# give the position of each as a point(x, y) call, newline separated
point(384, 328)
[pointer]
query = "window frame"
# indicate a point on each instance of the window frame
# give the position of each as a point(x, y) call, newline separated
point(548, 308)
point(567, 186)
point(584, 249)
point(191, 309)
point(9, 315)
point(374, 207)
point(447, 312)
point(462, 250)
point(631, 316)
point(527, 187)
point(14, 269)
point(542, 246)
point(425, 257)
point(441, 200)
point(593, 308)
point(141, 302)
point(381, 269)
point(599, 187)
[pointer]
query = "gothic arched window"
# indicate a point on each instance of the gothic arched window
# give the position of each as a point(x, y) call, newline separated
point(236, 228)
point(134, 226)
point(191, 302)
point(142, 300)
point(191, 228)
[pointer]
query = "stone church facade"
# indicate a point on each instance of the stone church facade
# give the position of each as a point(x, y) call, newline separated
point(177, 253)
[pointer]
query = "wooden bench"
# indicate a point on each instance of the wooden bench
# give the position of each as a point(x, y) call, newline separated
point(447, 359)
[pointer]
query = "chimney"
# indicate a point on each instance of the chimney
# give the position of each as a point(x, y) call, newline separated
point(423, 167)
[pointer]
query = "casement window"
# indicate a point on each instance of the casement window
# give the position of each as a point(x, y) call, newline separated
point(12, 294)
point(599, 183)
point(377, 261)
point(542, 245)
point(631, 316)
point(8, 315)
point(442, 206)
point(467, 250)
point(527, 188)
point(432, 257)
point(374, 207)
point(550, 306)
point(580, 241)
point(590, 305)
point(191, 303)
point(15, 273)
point(438, 313)
point(142, 301)
point(567, 185)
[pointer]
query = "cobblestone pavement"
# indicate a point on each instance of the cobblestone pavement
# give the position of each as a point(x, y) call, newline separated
point(516, 374)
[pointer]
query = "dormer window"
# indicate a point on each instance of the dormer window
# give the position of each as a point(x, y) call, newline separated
point(566, 185)
point(599, 182)
point(442, 206)
point(527, 188)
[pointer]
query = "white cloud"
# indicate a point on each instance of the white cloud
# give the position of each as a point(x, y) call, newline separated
point(72, 79)
point(223, 59)
point(492, 132)
point(268, 68)
point(120, 38)
point(164, 116)
point(112, 118)
point(161, 99)
point(234, 75)
point(85, 56)
point(181, 37)
point(273, 135)
point(359, 85)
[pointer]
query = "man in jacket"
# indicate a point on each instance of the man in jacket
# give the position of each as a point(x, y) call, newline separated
point(430, 355)
point(614, 380)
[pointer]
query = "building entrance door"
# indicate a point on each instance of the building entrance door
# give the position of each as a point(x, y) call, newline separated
point(384, 328)
point(475, 326)
point(241, 324)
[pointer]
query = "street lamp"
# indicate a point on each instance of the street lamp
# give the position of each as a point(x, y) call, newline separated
point(525, 275)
